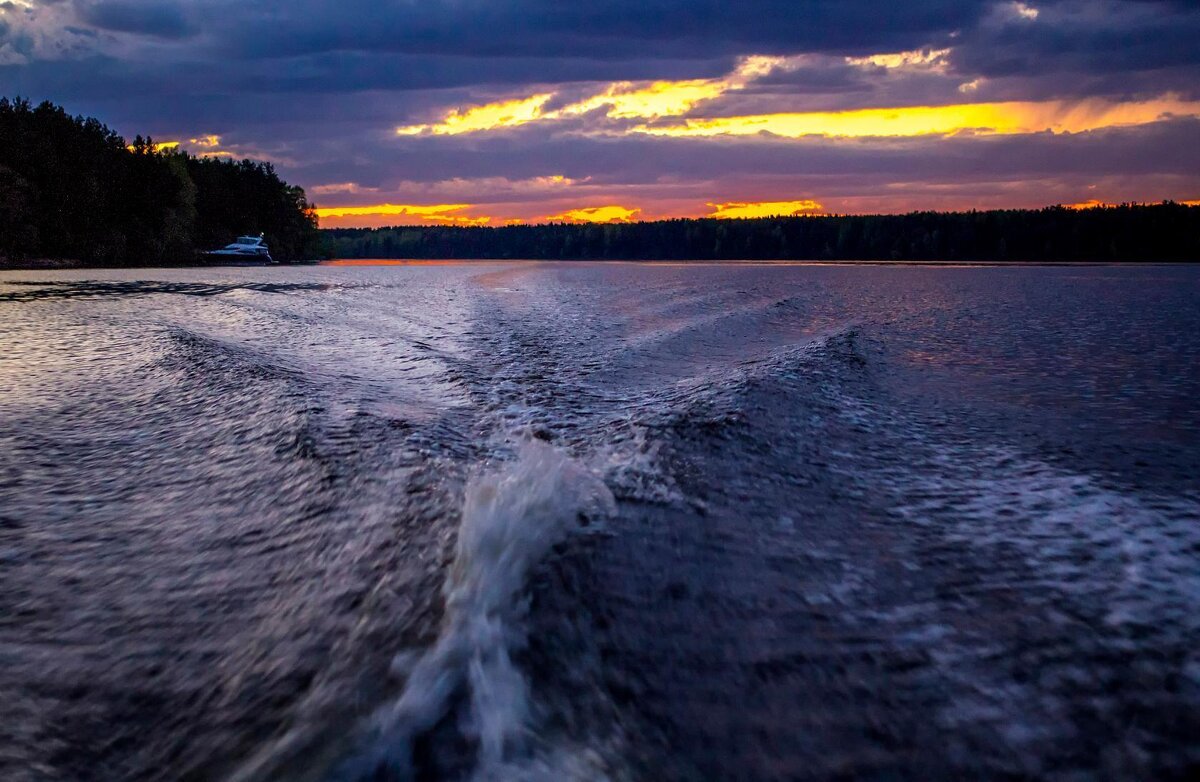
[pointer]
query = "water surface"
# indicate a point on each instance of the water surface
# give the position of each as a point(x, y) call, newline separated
point(600, 521)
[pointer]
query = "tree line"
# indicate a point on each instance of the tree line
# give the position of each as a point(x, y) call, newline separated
point(1158, 232)
point(71, 188)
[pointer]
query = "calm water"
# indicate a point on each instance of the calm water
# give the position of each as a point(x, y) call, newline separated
point(586, 521)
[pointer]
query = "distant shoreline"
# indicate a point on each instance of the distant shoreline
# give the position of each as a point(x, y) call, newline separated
point(1131, 233)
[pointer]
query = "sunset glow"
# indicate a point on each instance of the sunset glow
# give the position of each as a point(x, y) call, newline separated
point(1089, 204)
point(618, 100)
point(596, 214)
point(161, 146)
point(764, 209)
point(980, 104)
point(492, 116)
point(909, 121)
point(403, 214)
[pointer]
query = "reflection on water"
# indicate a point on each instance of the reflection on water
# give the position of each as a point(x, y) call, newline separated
point(487, 520)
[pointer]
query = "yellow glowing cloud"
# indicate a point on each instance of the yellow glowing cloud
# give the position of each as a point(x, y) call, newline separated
point(505, 114)
point(162, 146)
point(994, 118)
point(619, 100)
point(209, 145)
point(916, 58)
point(673, 99)
point(555, 180)
point(736, 210)
point(659, 99)
point(596, 214)
point(446, 213)
point(1191, 203)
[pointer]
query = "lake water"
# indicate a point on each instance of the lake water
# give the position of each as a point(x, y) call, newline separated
point(600, 521)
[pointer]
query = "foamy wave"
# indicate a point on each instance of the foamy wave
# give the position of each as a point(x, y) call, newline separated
point(511, 519)
point(1132, 549)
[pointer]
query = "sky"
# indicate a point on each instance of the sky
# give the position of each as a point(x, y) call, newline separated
point(486, 112)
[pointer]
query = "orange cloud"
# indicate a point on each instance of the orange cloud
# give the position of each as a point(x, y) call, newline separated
point(596, 214)
point(1191, 203)
point(736, 209)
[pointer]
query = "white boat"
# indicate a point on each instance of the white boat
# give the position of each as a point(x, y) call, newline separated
point(250, 250)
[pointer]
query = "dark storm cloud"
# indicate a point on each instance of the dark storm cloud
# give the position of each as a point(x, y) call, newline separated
point(599, 30)
point(199, 74)
point(1165, 147)
point(1087, 37)
point(148, 17)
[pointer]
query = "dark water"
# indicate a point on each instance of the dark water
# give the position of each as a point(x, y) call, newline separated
point(583, 521)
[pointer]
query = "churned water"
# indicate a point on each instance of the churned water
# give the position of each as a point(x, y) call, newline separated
point(600, 521)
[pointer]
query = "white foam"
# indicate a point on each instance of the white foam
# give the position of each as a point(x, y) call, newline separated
point(1137, 551)
point(511, 518)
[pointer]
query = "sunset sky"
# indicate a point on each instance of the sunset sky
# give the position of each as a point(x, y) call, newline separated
point(486, 112)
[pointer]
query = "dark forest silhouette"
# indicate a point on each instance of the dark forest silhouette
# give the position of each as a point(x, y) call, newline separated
point(71, 188)
point(1159, 232)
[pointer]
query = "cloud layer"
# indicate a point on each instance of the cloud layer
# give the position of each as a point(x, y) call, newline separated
point(485, 111)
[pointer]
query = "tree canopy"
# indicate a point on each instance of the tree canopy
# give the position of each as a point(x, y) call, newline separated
point(72, 188)
point(1159, 232)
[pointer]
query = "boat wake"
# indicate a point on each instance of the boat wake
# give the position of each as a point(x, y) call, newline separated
point(512, 517)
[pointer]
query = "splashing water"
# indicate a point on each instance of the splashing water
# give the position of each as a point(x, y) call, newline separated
point(511, 519)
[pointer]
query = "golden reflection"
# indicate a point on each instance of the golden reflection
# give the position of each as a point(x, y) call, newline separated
point(735, 210)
